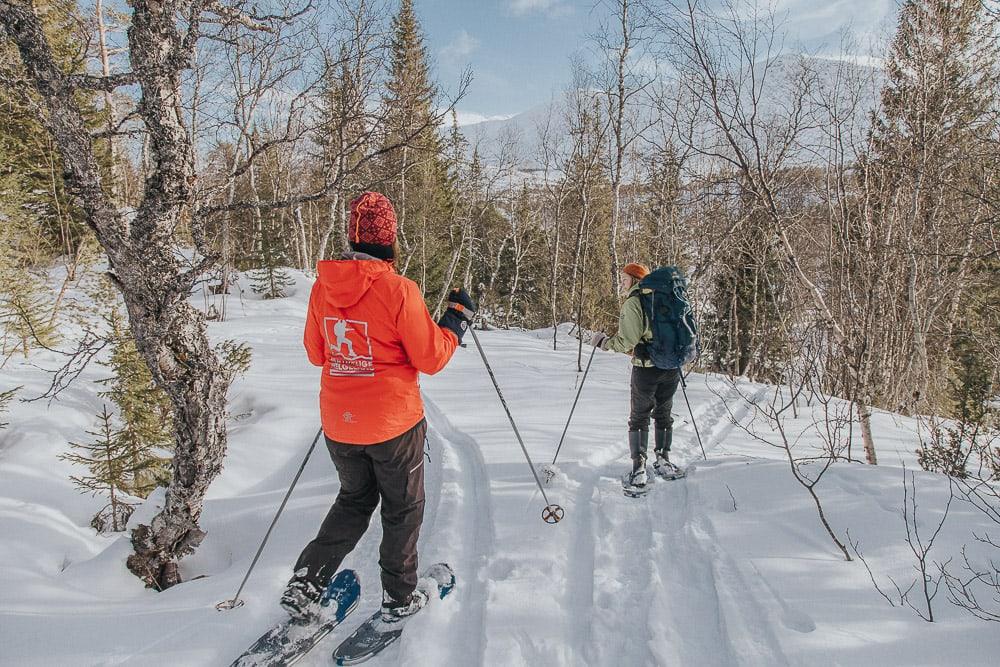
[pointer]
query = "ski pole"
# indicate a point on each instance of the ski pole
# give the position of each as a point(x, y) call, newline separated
point(691, 412)
point(236, 601)
point(551, 513)
point(573, 409)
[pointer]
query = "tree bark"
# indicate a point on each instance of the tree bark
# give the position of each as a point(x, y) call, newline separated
point(109, 105)
point(865, 418)
point(331, 227)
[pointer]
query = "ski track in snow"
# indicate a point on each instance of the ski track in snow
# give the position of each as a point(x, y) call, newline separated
point(717, 419)
point(665, 593)
point(579, 594)
point(626, 553)
point(685, 605)
point(640, 585)
point(719, 623)
point(655, 595)
point(461, 530)
point(744, 632)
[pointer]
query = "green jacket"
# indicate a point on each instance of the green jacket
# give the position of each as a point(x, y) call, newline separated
point(633, 327)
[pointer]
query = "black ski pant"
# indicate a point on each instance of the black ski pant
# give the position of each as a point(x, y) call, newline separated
point(393, 472)
point(653, 394)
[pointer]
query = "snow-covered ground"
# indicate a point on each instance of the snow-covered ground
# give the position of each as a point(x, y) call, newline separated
point(729, 566)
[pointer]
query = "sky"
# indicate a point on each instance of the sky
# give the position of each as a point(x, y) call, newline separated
point(520, 51)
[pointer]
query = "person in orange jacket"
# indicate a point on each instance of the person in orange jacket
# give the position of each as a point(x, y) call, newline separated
point(368, 328)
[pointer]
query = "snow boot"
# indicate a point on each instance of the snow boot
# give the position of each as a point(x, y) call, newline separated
point(638, 443)
point(662, 440)
point(301, 598)
point(663, 466)
point(394, 611)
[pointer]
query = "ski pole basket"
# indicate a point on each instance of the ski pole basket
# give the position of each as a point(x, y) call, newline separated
point(553, 514)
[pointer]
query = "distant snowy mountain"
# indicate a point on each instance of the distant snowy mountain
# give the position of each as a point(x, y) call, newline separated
point(489, 136)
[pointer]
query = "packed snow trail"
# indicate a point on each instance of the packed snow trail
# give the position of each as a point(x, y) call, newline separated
point(616, 547)
point(711, 620)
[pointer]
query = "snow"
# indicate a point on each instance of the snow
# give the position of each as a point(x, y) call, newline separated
point(729, 566)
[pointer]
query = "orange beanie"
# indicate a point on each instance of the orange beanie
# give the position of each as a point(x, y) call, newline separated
point(637, 271)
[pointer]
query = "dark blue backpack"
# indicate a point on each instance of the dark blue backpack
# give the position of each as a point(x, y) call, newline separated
point(663, 294)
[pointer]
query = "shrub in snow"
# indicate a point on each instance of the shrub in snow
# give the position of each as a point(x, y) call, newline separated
point(968, 444)
point(235, 357)
point(25, 312)
point(5, 397)
point(110, 472)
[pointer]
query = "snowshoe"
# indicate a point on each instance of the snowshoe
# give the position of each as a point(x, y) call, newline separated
point(667, 470)
point(290, 640)
point(635, 484)
point(386, 625)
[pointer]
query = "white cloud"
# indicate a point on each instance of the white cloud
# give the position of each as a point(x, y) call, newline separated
point(553, 8)
point(461, 47)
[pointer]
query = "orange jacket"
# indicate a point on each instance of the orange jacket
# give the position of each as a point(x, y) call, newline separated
point(369, 329)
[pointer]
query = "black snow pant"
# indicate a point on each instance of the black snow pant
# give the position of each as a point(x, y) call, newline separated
point(393, 472)
point(653, 393)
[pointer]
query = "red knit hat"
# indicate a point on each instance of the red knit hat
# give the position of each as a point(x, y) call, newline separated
point(373, 220)
point(637, 271)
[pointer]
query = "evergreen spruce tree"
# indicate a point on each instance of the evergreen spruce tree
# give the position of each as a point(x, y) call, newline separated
point(27, 154)
point(25, 303)
point(25, 310)
point(343, 118)
point(588, 212)
point(744, 336)
point(143, 408)
point(659, 213)
point(415, 176)
point(942, 81)
point(235, 357)
point(110, 472)
point(270, 279)
point(457, 229)
point(38, 221)
point(341, 137)
point(968, 442)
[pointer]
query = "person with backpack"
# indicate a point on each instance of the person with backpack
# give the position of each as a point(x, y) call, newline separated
point(656, 327)
point(369, 330)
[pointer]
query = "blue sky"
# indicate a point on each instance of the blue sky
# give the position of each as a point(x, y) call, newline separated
point(520, 50)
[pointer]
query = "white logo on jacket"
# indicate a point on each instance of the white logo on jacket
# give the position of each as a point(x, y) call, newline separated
point(349, 349)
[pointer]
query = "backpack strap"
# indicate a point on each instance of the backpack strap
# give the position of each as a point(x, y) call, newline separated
point(641, 349)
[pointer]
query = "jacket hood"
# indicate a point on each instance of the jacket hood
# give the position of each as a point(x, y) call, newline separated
point(345, 281)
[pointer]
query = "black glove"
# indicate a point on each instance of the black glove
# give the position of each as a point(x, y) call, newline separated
point(598, 339)
point(461, 310)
